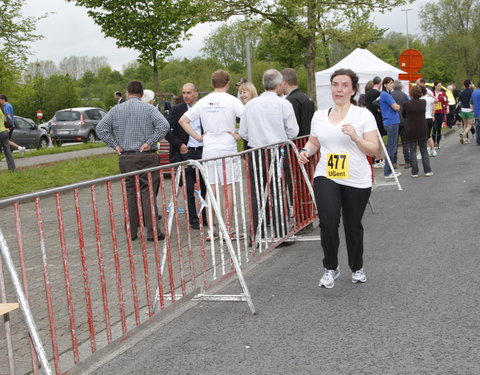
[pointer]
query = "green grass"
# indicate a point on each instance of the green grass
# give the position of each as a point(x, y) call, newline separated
point(56, 150)
point(63, 173)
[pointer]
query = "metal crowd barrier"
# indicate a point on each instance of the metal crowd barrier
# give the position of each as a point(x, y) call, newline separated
point(82, 282)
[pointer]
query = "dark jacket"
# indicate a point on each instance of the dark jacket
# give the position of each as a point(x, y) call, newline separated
point(176, 136)
point(401, 98)
point(415, 123)
point(304, 110)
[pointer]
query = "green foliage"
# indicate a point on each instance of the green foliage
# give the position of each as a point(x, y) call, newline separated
point(153, 28)
point(16, 32)
point(60, 174)
point(454, 41)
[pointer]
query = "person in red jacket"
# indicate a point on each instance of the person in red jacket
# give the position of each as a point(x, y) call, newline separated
point(441, 111)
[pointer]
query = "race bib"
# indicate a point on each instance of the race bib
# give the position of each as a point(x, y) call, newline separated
point(337, 166)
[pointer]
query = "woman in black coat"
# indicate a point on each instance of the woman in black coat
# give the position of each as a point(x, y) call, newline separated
point(416, 130)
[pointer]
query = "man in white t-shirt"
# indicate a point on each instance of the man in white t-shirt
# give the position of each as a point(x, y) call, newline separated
point(217, 112)
point(268, 119)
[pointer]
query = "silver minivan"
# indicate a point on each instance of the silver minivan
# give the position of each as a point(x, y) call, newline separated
point(76, 124)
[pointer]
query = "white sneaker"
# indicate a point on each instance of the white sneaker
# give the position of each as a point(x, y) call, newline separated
point(359, 276)
point(429, 174)
point(21, 150)
point(329, 277)
point(432, 152)
point(392, 175)
point(379, 164)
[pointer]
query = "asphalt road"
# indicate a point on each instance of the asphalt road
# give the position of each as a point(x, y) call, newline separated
point(418, 313)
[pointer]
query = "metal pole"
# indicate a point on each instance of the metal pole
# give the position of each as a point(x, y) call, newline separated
point(32, 328)
point(406, 20)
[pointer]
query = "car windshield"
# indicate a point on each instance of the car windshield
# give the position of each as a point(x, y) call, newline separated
point(67, 116)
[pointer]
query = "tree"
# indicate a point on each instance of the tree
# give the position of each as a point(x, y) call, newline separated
point(153, 28)
point(16, 32)
point(453, 27)
point(309, 20)
point(227, 43)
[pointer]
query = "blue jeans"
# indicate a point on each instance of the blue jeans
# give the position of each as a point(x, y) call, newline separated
point(477, 128)
point(392, 144)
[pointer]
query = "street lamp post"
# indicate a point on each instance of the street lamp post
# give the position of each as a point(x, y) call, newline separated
point(406, 20)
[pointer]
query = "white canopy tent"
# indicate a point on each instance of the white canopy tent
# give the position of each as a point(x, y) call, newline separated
point(364, 63)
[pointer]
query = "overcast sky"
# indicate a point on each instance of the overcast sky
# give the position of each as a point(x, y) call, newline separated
point(68, 31)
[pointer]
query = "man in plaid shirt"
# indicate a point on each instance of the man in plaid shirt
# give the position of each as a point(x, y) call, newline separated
point(132, 129)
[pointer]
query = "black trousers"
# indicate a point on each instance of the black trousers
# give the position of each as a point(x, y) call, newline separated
point(134, 162)
point(335, 200)
point(191, 178)
point(278, 213)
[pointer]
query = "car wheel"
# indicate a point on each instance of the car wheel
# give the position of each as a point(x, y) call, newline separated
point(43, 143)
point(91, 138)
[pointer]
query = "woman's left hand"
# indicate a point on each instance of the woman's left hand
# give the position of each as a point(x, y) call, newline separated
point(235, 135)
point(349, 130)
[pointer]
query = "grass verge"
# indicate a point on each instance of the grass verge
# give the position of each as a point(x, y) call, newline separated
point(32, 179)
point(56, 150)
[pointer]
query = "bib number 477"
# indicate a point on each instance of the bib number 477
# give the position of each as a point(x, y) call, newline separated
point(337, 166)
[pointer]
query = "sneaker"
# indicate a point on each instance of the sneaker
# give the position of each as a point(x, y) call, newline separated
point(212, 235)
point(393, 175)
point(379, 164)
point(432, 152)
point(329, 277)
point(462, 139)
point(429, 174)
point(414, 175)
point(467, 140)
point(21, 150)
point(359, 276)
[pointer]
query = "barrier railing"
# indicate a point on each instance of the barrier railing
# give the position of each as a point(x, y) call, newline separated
point(85, 282)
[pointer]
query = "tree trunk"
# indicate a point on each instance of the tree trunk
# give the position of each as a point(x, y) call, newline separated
point(310, 67)
point(155, 73)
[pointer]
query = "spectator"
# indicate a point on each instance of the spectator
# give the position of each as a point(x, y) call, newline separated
point(132, 129)
point(475, 102)
point(278, 124)
point(401, 98)
point(10, 117)
point(247, 92)
point(429, 111)
point(184, 147)
point(4, 145)
point(391, 121)
point(118, 97)
point(218, 112)
point(416, 130)
point(163, 105)
point(344, 134)
point(372, 104)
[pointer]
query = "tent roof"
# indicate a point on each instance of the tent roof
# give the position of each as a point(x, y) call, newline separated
point(362, 61)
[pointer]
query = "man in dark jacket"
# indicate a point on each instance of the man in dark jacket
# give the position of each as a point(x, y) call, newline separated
point(302, 105)
point(183, 147)
point(304, 110)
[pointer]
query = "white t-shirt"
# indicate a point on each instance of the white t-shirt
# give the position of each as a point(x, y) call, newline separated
point(333, 141)
point(218, 112)
point(430, 102)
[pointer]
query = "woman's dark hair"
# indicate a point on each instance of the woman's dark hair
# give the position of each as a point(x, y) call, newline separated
point(467, 83)
point(385, 81)
point(424, 90)
point(416, 92)
point(353, 77)
point(435, 84)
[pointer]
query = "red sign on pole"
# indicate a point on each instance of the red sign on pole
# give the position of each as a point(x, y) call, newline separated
point(39, 114)
point(411, 61)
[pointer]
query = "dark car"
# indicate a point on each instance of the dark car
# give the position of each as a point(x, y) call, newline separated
point(28, 134)
point(76, 124)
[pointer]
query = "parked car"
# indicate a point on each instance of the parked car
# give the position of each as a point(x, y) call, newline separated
point(46, 126)
point(76, 124)
point(28, 134)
